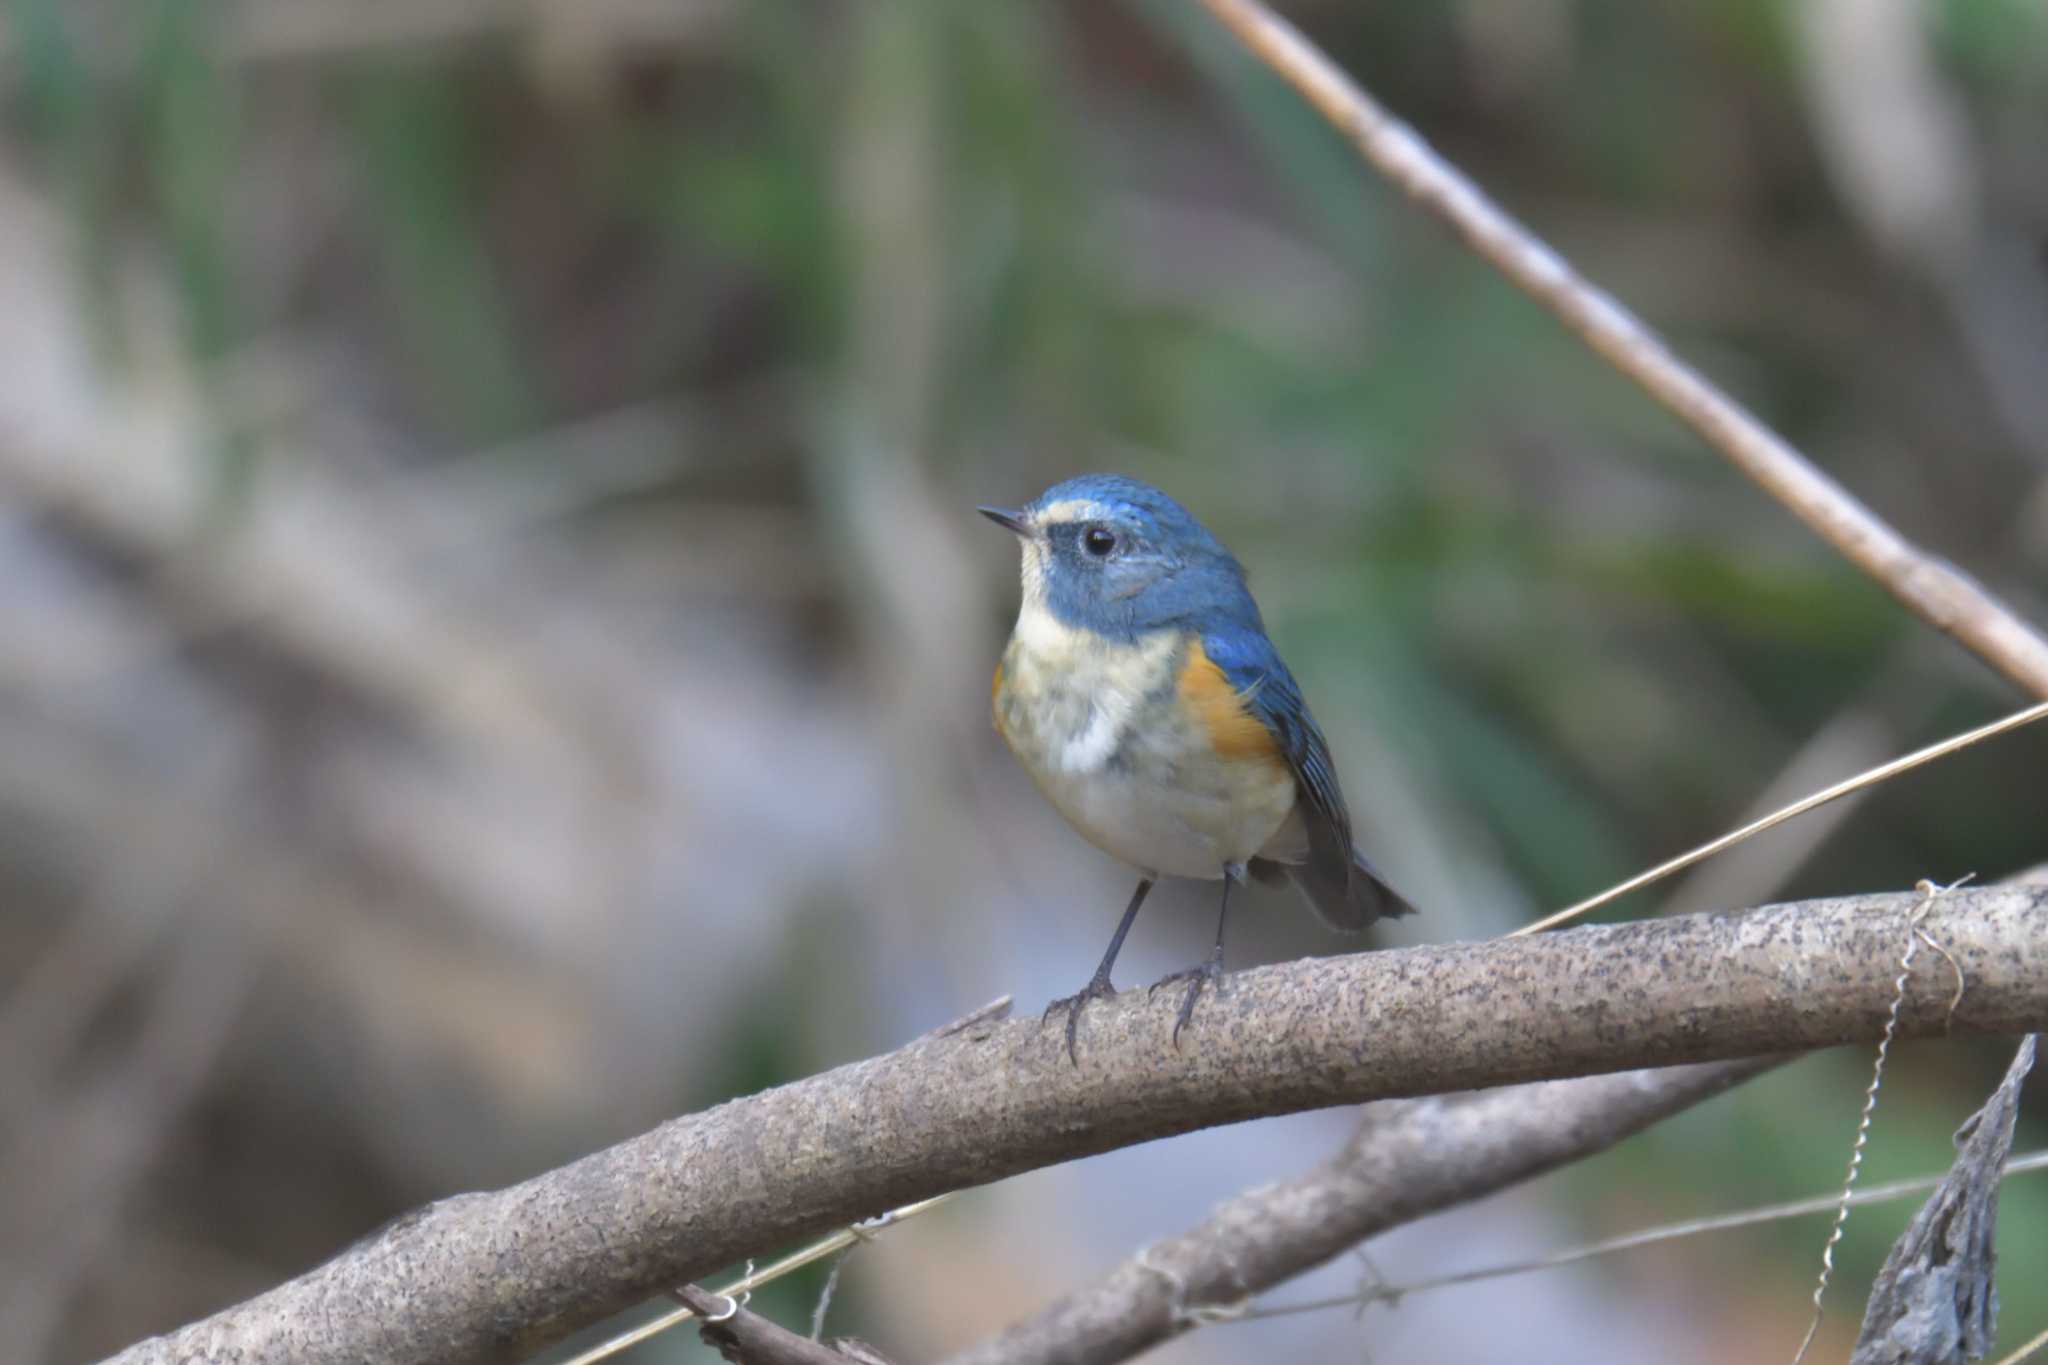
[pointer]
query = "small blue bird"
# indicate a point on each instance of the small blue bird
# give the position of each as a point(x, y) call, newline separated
point(1140, 692)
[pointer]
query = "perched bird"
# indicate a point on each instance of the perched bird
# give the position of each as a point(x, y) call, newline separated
point(1140, 692)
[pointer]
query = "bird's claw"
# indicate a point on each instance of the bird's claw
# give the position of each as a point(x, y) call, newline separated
point(1098, 988)
point(1209, 973)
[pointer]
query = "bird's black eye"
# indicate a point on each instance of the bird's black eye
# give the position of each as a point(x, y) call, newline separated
point(1098, 542)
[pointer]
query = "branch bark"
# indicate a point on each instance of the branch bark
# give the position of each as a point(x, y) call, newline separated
point(1931, 587)
point(485, 1276)
point(1408, 1159)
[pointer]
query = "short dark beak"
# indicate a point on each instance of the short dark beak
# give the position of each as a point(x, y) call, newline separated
point(1009, 518)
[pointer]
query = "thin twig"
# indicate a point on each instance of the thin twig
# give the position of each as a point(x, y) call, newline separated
point(1392, 1291)
point(994, 1012)
point(1755, 871)
point(1933, 589)
point(1406, 1160)
point(842, 1240)
point(2027, 1350)
point(739, 1334)
point(824, 1304)
point(1867, 778)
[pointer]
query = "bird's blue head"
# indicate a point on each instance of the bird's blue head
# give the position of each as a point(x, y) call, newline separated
point(1117, 557)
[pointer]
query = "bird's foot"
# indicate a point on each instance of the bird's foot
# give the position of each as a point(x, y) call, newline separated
point(1098, 988)
point(1209, 973)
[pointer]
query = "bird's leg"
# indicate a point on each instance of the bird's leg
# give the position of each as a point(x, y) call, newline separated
point(1210, 971)
point(1098, 987)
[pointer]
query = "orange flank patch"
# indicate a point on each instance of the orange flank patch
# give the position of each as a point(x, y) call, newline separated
point(995, 696)
point(1233, 729)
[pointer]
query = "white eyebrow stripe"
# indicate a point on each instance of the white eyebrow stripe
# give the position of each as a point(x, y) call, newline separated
point(1073, 509)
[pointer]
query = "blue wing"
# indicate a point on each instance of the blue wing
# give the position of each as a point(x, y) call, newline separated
point(1338, 881)
point(1248, 659)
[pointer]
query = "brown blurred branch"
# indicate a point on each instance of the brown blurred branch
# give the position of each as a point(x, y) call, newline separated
point(1932, 588)
point(82, 1149)
point(482, 1276)
point(1408, 1159)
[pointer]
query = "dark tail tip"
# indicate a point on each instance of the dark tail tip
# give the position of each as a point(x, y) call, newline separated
point(1351, 901)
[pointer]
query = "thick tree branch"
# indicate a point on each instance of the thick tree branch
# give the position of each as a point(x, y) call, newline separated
point(1408, 1159)
point(484, 1276)
point(1935, 590)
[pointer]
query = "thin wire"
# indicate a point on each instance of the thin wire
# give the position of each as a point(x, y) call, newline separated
point(796, 1260)
point(1669, 1232)
point(1928, 894)
point(1869, 777)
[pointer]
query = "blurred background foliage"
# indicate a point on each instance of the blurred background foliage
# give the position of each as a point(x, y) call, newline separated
point(496, 638)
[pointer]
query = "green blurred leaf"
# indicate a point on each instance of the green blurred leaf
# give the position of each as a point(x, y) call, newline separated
point(423, 168)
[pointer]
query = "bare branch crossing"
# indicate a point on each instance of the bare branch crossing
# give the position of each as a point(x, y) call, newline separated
point(483, 1276)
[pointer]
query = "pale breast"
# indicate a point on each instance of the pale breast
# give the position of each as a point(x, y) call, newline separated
point(1098, 727)
point(1068, 697)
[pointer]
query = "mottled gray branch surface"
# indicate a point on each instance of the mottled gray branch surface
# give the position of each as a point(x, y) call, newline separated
point(488, 1276)
point(1408, 1159)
